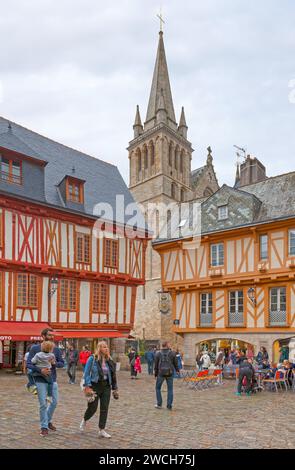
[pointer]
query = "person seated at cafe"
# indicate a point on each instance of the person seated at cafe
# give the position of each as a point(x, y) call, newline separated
point(272, 371)
point(264, 365)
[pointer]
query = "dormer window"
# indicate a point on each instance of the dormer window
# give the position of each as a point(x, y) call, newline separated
point(75, 190)
point(222, 212)
point(11, 170)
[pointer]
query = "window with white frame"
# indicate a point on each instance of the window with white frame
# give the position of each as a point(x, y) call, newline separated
point(206, 308)
point(278, 306)
point(217, 254)
point(263, 247)
point(292, 242)
point(222, 212)
point(236, 307)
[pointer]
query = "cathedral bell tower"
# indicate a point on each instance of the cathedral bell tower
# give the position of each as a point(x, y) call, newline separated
point(160, 154)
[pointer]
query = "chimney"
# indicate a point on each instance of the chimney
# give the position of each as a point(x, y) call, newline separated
point(252, 171)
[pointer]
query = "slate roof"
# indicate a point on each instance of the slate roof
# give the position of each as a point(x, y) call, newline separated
point(277, 195)
point(103, 181)
point(195, 174)
point(271, 199)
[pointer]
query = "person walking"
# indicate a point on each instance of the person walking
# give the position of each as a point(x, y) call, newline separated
point(205, 361)
point(198, 360)
point(100, 378)
point(46, 412)
point(72, 361)
point(83, 356)
point(137, 365)
point(150, 359)
point(219, 362)
point(246, 370)
point(165, 363)
point(132, 358)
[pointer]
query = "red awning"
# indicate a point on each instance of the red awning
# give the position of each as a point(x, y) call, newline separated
point(23, 331)
point(92, 334)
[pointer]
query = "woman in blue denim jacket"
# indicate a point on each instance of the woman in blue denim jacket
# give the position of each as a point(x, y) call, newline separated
point(99, 380)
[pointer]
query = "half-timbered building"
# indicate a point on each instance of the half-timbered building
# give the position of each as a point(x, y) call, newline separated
point(236, 287)
point(56, 267)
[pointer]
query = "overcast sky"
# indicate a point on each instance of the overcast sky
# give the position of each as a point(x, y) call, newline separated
point(75, 70)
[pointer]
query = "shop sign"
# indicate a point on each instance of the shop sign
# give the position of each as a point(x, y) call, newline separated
point(35, 338)
point(5, 338)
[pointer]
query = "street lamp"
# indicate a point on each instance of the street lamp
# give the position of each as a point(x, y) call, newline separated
point(53, 284)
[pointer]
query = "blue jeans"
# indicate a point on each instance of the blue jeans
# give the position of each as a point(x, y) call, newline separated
point(150, 367)
point(46, 412)
point(159, 383)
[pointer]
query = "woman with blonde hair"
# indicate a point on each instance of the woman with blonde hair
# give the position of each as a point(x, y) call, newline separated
point(99, 379)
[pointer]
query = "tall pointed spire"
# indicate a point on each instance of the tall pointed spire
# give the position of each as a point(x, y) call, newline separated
point(160, 85)
point(182, 128)
point(137, 127)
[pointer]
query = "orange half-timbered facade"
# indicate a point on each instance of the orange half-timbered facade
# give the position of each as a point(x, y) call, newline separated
point(56, 266)
point(236, 287)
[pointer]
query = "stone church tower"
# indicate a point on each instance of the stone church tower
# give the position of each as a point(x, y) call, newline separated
point(160, 172)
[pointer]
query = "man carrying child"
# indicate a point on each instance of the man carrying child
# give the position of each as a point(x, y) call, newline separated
point(43, 361)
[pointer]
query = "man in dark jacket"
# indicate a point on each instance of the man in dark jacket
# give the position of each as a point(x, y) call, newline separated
point(72, 357)
point(150, 358)
point(246, 370)
point(46, 414)
point(165, 363)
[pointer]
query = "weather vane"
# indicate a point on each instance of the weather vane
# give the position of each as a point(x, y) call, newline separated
point(161, 20)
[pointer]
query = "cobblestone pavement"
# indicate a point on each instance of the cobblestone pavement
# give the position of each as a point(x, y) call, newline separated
point(215, 418)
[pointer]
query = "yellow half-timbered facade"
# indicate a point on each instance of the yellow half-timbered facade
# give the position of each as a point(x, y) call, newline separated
point(236, 287)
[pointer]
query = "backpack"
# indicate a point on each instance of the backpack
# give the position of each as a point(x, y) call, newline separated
point(165, 365)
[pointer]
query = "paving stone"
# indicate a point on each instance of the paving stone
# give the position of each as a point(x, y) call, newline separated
point(213, 418)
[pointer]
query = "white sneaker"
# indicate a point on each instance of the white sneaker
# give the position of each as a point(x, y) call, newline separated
point(83, 425)
point(158, 406)
point(103, 433)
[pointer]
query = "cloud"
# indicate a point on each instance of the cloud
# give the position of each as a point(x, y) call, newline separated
point(75, 71)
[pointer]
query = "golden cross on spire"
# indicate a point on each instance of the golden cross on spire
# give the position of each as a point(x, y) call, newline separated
point(161, 20)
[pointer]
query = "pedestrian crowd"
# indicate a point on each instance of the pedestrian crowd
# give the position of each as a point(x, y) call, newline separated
point(99, 381)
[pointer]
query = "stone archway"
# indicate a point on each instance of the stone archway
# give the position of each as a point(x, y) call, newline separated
point(256, 339)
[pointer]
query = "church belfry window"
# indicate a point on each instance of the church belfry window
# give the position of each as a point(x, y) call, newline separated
point(152, 152)
point(138, 159)
point(145, 157)
point(173, 190)
point(181, 161)
point(170, 154)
